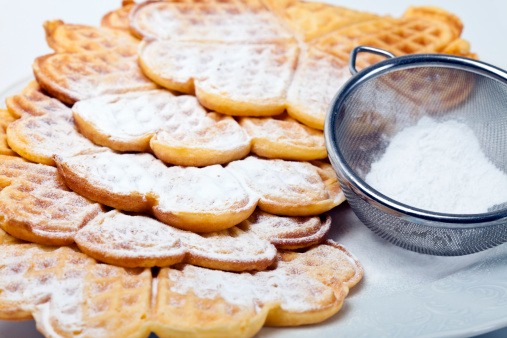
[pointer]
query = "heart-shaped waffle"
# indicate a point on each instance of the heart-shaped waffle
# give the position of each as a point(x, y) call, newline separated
point(89, 62)
point(197, 199)
point(177, 129)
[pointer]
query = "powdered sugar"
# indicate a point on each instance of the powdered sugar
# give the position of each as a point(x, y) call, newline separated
point(439, 167)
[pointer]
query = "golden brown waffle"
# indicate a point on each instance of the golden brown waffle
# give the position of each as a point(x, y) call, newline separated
point(38, 138)
point(63, 38)
point(69, 294)
point(99, 73)
point(310, 20)
point(119, 18)
point(208, 20)
point(284, 138)
point(421, 30)
point(298, 291)
point(140, 241)
point(141, 183)
point(34, 101)
point(177, 129)
point(5, 120)
point(290, 188)
point(287, 232)
point(434, 89)
point(37, 206)
point(238, 79)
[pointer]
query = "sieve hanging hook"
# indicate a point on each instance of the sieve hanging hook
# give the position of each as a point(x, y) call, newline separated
point(367, 49)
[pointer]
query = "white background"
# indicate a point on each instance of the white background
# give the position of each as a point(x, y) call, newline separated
point(22, 39)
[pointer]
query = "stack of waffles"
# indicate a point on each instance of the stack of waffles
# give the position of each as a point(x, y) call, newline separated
point(167, 171)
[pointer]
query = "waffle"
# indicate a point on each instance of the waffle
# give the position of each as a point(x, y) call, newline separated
point(34, 101)
point(38, 138)
point(284, 138)
point(70, 294)
point(287, 232)
point(105, 60)
point(239, 79)
point(310, 20)
point(99, 73)
point(37, 206)
point(64, 38)
point(177, 129)
point(140, 241)
point(141, 183)
point(5, 120)
point(434, 89)
point(119, 18)
point(420, 30)
point(290, 188)
point(304, 288)
point(209, 20)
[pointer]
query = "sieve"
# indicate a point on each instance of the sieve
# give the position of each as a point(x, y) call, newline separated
point(395, 93)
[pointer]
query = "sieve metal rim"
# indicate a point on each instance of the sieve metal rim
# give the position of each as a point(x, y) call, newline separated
point(365, 191)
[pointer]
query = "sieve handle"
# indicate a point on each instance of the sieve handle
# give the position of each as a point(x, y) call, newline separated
point(362, 49)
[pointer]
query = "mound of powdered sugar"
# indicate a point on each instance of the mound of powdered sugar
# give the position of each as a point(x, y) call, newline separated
point(440, 167)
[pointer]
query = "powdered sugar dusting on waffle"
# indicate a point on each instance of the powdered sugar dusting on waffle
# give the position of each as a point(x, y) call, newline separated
point(222, 21)
point(99, 73)
point(48, 135)
point(265, 287)
point(120, 173)
point(127, 237)
point(210, 188)
point(139, 113)
point(241, 72)
point(68, 293)
point(318, 78)
point(278, 179)
point(222, 135)
point(297, 284)
point(199, 199)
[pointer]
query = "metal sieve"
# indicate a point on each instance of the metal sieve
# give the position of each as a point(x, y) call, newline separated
point(393, 94)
